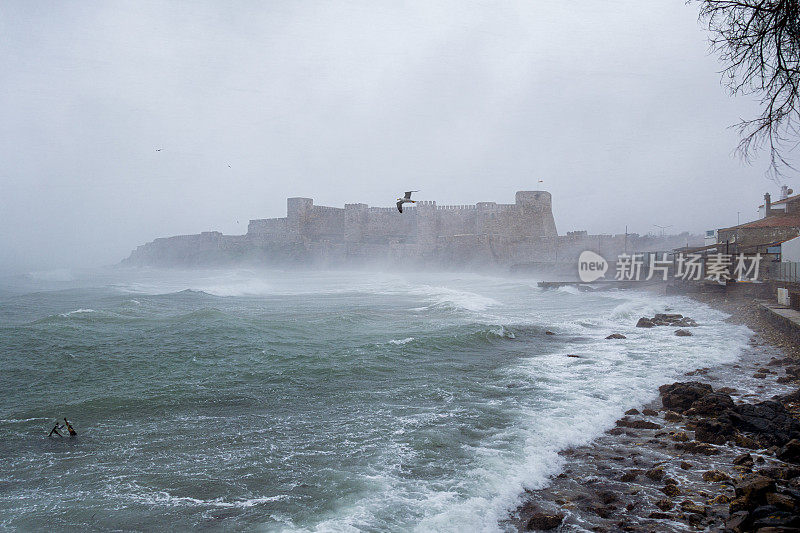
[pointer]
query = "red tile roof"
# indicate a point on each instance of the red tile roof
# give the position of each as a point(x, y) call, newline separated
point(787, 200)
point(775, 221)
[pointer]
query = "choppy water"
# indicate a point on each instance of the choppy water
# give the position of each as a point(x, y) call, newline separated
point(312, 401)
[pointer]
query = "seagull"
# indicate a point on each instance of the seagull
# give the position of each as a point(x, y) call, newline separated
point(159, 149)
point(404, 200)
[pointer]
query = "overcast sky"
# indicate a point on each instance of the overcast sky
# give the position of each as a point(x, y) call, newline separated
point(616, 105)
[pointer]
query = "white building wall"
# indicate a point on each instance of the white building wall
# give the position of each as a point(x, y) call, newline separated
point(790, 250)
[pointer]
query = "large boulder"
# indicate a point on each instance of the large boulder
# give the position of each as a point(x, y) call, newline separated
point(681, 395)
point(773, 423)
point(645, 322)
point(790, 452)
point(752, 490)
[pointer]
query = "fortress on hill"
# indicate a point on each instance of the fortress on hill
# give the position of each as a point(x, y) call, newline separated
point(425, 234)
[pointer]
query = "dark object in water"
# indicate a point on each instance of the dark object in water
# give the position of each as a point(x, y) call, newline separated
point(71, 430)
point(55, 430)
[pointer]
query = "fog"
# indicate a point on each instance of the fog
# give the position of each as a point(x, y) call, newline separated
point(127, 121)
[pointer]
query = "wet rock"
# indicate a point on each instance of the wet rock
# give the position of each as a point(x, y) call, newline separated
point(685, 322)
point(688, 506)
point(637, 424)
point(670, 481)
point(738, 522)
point(744, 459)
point(771, 516)
point(664, 505)
point(726, 390)
point(630, 475)
point(683, 333)
point(753, 490)
point(746, 442)
point(686, 466)
point(699, 448)
point(672, 416)
point(573, 355)
point(659, 515)
point(616, 336)
point(759, 375)
point(649, 412)
point(790, 452)
point(632, 412)
point(681, 395)
point(671, 490)
point(770, 420)
point(714, 430)
point(781, 501)
point(714, 403)
point(644, 322)
point(721, 499)
point(544, 522)
point(656, 474)
point(715, 476)
point(549, 333)
point(604, 511)
point(680, 436)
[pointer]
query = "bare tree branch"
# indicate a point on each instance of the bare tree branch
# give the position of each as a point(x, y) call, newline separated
point(759, 41)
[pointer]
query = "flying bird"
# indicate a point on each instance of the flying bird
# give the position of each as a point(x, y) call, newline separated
point(159, 149)
point(404, 200)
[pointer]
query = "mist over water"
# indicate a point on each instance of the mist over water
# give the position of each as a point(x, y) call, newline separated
point(313, 401)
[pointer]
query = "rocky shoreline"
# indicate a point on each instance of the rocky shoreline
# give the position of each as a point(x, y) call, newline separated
point(719, 451)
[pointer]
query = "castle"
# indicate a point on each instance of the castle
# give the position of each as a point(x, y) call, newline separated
point(425, 232)
point(422, 223)
point(486, 234)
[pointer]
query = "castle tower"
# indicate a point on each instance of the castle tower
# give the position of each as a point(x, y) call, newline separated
point(535, 210)
point(298, 218)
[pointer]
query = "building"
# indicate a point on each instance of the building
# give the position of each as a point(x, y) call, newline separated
point(780, 221)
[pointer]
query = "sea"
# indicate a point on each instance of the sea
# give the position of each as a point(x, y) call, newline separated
point(293, 400)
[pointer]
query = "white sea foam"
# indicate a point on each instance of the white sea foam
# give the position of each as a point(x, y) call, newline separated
point(78, 312)
point(455, 298)
point(401, 341)
point(165, 498)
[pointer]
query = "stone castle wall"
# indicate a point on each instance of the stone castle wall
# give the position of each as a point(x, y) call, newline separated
point(424, 222)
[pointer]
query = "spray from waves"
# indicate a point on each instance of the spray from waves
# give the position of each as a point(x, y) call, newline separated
point(445, 297)
point(77, 312)
point(165, 498)
point(400, 342)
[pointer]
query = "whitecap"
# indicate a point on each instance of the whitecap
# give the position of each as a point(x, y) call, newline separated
point(78, 312)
